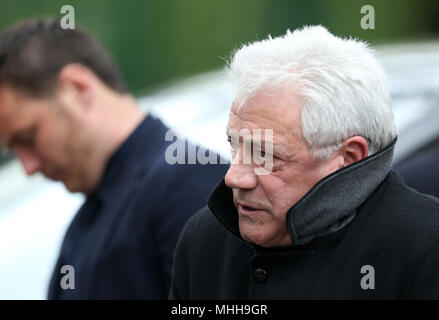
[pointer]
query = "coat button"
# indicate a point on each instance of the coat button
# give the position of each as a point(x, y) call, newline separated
point(260, 275)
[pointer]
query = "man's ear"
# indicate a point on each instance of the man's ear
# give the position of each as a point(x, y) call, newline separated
point(77, 81)
point(354, 149)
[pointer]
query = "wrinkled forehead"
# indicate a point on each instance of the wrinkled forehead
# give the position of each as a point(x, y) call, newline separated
point(278, 112)
point(267, 110)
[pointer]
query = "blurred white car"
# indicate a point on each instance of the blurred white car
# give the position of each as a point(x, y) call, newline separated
point(34, 212)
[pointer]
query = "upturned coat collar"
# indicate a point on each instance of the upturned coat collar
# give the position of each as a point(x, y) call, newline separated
point(329, 206)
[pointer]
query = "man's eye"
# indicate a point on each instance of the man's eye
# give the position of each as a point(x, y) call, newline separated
point(233, 148)
point(263, 154)
point(27, 141)
point(229, 139)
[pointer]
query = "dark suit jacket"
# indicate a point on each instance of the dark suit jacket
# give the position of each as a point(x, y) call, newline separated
point(121, 242)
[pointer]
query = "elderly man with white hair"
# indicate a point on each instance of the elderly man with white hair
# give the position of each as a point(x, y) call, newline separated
point(327, 219)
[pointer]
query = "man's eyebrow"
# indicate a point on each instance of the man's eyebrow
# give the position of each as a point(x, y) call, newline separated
point(276, 145)
point(11, 142)
point(17, 137)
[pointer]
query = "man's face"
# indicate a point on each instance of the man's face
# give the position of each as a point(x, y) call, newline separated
point(45, 136)
point(262, 201)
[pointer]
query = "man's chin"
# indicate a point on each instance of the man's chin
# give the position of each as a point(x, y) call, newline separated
point(72, 187)
point(54, 177)
point(252, 234)
point(256, 240)
point(264, 238)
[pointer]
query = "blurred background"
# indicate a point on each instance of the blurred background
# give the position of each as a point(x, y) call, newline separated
point(155, 41)
point(171, 54)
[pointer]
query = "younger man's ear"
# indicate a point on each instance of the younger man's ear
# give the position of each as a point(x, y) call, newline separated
point(77, 80)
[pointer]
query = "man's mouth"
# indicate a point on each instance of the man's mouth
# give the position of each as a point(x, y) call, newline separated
point(245, 208)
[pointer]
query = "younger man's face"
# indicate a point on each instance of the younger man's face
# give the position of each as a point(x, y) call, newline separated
point(45, 136)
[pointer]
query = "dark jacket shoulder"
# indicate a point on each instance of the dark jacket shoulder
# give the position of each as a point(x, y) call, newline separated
point(396, 230)
point(398, 210)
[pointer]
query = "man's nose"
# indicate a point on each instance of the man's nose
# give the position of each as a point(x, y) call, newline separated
point(240, 175)
point(30, 162)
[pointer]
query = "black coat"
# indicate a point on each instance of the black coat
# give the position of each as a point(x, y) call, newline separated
point(122, 240)
point(390, 227)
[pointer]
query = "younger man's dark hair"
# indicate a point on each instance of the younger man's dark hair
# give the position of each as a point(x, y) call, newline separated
point(33, 52)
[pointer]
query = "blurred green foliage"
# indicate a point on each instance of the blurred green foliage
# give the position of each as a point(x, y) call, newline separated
point(157, 40)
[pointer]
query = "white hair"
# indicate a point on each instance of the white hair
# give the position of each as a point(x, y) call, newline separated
point(342, 86)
